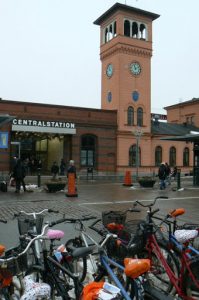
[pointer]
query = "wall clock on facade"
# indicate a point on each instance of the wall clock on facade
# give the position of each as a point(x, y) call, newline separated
point(135, 68)
point(109, 70)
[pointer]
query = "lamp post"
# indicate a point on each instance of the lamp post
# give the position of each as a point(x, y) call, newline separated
point(137, 133)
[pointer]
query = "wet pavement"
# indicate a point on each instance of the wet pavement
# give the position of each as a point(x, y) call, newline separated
point(93, 198)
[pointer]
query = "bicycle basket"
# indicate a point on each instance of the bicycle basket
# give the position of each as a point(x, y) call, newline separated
point(27, 223)
point(11, 266)
point(117, 217)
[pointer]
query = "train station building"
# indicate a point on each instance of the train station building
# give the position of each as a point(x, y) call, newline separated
point(123, 134)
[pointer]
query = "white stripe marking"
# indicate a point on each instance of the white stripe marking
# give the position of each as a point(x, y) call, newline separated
point(129, 201)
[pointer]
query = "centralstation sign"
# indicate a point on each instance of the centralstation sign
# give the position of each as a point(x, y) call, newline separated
point(60, 127)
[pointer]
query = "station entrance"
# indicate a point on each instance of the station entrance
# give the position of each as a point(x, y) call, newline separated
point(39, 150)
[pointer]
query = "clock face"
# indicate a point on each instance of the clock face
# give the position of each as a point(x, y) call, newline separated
point(135, 68)
point(109, 70)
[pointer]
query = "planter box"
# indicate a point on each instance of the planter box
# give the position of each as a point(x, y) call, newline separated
point(55, 186)
point(147, 182)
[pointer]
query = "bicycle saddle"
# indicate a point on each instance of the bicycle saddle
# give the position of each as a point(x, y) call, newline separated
point(184, 235)
point(54, 234)
point(136, 267)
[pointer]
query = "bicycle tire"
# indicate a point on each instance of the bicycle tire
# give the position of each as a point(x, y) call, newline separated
point(39, 275)
point(79, 263)
point(158, 272)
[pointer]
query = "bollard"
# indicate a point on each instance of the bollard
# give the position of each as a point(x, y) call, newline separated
point(178, 179)
point(39, 177)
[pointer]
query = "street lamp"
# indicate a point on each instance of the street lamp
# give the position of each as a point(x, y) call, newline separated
point(137, 133)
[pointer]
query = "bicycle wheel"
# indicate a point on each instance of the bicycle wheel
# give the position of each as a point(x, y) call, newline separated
point(79, 264)
point(190, 288)
point(158, 276)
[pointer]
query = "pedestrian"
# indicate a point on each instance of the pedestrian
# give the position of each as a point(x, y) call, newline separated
point(168, 172)
point(55, 170)
point(71, 168)
point(162, 175)
point(62, 167)
point(174, 172)
point(19, 174)
point(13, 164)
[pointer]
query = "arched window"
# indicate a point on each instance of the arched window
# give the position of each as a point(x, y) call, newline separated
point(126, 28)
point(158, 155)
point(133, 156)
point(88, 151)
point(172, 156)
point(142, 31)
point(130, 116)
point(140, 116)
point(134, 30)
point(186, 157)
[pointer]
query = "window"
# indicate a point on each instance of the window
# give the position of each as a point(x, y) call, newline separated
point(140, 116)
point(134, 30)
point(130, 116)
point(133, 155)
point(172, 157)
point(126, 28)
point(186, 157)
point(158, 155)
point(88, 150)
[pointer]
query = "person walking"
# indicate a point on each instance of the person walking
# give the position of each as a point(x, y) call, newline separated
point(168, 172)
point(162, 175)
point(19, 174)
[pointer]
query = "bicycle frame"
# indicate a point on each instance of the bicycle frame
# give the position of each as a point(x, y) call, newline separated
point(107, 263)
point(153, 247)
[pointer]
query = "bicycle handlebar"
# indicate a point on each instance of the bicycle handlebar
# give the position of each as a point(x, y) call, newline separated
point(71, 220)
point(153, 203)
point(40, 236)
point(22, 212)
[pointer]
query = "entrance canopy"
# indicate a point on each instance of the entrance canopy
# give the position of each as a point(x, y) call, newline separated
point(4, 119)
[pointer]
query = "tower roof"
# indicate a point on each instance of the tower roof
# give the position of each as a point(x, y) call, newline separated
point(126, 8)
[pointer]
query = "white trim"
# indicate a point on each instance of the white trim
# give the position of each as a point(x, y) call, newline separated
point(43, 129)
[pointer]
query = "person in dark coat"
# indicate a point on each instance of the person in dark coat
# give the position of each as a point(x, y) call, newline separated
point(72, 168)
point(19, 174)
point(62, 167)
point(55, 170)
point(162, 175)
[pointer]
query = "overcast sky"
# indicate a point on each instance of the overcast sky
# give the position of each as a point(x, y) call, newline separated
point(49, 51)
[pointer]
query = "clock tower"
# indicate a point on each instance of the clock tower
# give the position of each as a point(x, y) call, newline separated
point(125, 53)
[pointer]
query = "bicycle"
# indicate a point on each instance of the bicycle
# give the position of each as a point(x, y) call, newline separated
point(56, 268)
point(175, 277)
point(108, 266)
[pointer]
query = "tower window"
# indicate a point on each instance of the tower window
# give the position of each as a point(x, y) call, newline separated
point(126, 28)
point(135, 30)
point(143, 31)
point(130, 116)
point(140, 116)
point(110, 32)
